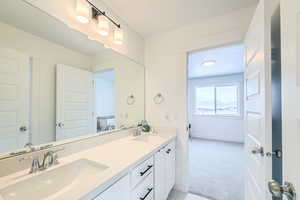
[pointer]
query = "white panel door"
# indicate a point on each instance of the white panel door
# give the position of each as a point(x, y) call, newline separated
point(74, 102)
point(290, 72)
point(14, 100)
point(258, 105)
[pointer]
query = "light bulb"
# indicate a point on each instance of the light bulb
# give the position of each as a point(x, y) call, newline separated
point(83, 11)
point(118, 36)
point(208, 63)
point(103, 25)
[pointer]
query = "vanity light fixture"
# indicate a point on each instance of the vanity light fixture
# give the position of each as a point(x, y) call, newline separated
point(208, 63)
point(118, 36)
point(103, 25)
point(83, 11)
point(87, 11)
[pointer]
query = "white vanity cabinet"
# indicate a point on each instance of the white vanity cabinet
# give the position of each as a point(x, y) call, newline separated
point(164, 178)
point(119, 190)
point(151, 179)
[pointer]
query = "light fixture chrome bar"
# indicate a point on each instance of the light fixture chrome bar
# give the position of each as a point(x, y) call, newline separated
point(104, 14)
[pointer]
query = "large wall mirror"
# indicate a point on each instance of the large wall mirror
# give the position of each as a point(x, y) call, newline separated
point(56, 84)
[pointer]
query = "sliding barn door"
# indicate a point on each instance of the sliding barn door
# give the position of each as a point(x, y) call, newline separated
point(14, 100)
point(258, 105)
point(74, 102)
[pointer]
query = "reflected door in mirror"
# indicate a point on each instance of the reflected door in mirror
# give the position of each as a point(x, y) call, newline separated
point(14, 100)
point(74, 109)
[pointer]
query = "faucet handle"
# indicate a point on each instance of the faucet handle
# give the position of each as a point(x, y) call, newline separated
point(51, 158)
point(55, 159)
point(48, 160)
point(35, 166)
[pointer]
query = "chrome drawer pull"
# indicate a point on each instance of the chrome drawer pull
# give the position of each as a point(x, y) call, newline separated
point(144, 172)
point(146, 195)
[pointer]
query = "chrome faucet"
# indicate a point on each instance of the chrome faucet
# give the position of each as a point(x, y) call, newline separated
point(138, 130)
point(50, 158)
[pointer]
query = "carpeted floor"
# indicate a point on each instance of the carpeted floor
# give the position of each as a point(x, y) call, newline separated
point(216, 169)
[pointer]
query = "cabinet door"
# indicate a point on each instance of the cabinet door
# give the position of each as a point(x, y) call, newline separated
point(159, 178)
point(170, 166)
point(119, 190)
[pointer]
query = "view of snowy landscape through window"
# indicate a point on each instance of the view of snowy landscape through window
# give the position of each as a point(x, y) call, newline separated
point(217, 100)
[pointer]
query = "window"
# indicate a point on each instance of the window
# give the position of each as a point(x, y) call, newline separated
point(205, 101)
point(217, 100)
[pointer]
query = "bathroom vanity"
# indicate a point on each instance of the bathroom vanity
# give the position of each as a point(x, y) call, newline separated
point(149, 179)
point(71, 100)
point(130, 168)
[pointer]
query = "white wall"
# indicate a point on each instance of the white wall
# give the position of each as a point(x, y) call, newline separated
point(133, 44)
point(45, 56)
point(105, 97)
point(223, 128)
point(166, 73)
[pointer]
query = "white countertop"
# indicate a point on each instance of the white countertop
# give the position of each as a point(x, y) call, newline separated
point(120, 156)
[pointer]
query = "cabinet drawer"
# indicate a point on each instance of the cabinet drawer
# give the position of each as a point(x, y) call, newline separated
point(144, 190)
point(142, 171)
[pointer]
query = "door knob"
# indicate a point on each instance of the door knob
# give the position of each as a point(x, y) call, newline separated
point(23, 129)
point(278, 190)
point(258, 150)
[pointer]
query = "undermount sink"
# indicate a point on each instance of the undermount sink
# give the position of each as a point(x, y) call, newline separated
point(55, 183)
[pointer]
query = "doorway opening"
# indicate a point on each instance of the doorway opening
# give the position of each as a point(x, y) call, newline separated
point(105, 100)
point(216, 118)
